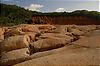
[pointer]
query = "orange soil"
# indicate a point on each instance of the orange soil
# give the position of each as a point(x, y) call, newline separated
point(68, 20)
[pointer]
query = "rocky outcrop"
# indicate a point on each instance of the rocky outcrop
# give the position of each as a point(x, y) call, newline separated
point(58, 35)
point(93, 33)
point(28, 44)
point(45, 28)
point(87, 28)
point(17, 38)
point(72, 55)
point(75, 32)
point(14, 56)
point(1, 34)
point(25, 29)
point(45, 53)
point(60, 29)
point(88, 41)
point(50, 43)
point(13, 43)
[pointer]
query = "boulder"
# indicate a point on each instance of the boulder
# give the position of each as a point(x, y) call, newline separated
point(15, 42)
point(50, 43)
point(75, 32)
point(14, 56)
point(1, 34)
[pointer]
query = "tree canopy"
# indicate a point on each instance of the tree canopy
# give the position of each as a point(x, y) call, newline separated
point(14, 15)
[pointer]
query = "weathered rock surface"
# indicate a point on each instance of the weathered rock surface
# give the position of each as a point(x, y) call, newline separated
point(75, 32)
point(68, 28)
point(14, 56)
point(21, 30)
point(86, 28)
point(50, 43)
point(59, 29)
point(45, 28)
point(70, 56)
point(1, 34)
point(59, 35)
point(88, 42)
point(89, 39)
point(45, 53)
point(93, 33)
point(47, 35)
point(13, 43)
point(26, 29)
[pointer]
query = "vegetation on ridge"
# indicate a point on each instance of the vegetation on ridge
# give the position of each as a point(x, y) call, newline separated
point(13, 15)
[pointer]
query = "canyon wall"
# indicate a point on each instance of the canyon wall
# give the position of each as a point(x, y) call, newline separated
point(63, 20)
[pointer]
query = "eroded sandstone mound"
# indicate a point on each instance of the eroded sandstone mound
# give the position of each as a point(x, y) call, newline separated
point(14, 56)
point(50, 43)
point(13, 43)
point(25, 29)
point(1, 34)
point(27, 44)
point(81, 56)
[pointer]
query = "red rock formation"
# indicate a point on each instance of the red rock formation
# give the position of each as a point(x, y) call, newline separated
point(68, 20)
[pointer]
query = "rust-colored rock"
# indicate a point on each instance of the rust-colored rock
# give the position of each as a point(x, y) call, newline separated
point(63, 20)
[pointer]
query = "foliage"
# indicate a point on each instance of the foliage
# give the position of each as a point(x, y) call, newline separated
point(76, 13)
point(40, 22)
point(14, 15)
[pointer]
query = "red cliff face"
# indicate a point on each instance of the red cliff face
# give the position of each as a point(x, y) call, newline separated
point(68, 20)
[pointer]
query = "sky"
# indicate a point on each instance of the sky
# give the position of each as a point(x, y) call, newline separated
point(56, 5)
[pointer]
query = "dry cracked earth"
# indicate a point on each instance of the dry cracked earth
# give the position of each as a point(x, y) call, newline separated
point(28, 45)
